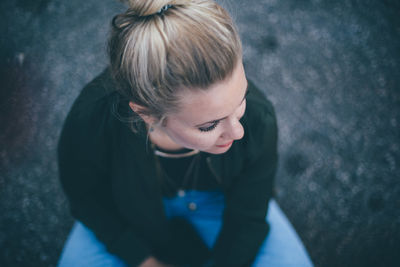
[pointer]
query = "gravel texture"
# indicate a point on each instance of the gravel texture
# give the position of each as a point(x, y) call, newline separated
point(331, 68)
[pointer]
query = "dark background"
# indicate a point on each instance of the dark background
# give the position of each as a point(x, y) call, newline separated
point(331, 68)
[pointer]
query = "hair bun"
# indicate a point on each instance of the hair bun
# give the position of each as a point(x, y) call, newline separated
point(144, 8)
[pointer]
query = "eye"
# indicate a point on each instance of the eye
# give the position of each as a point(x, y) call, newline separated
point(209, 128)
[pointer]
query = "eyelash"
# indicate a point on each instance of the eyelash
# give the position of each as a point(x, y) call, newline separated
point(209, 128)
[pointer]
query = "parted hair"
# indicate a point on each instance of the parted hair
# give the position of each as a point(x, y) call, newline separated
point(159, 47)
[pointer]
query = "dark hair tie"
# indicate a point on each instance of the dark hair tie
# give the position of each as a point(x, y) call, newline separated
point(164, 8)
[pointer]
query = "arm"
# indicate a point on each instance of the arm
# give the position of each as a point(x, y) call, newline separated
point(245, 227)
point(84, 159)
point(83, 172)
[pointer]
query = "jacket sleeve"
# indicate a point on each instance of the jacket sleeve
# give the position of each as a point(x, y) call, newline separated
point(83, 161)
point(244, 224)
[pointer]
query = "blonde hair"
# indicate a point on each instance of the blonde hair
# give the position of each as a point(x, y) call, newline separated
point(160, 47)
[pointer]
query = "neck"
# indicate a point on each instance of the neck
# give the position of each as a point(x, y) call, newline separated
point(163, 141)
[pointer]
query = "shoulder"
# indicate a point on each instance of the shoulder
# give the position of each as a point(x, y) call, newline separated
point(88, 122)
point(259, 123)
point(94, 95)
point(260, 110)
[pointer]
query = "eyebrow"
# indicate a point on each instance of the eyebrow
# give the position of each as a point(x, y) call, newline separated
point(213, 121)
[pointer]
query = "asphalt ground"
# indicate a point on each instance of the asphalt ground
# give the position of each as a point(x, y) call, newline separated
point(331, 68)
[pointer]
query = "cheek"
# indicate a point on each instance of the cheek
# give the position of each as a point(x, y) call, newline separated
point(192, 138)
point(201, 140)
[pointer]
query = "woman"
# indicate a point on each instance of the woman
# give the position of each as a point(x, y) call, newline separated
point(162, 162)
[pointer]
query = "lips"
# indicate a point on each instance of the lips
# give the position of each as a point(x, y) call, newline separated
point(226, 145)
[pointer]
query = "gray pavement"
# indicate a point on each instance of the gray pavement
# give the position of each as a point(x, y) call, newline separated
point(331, 68)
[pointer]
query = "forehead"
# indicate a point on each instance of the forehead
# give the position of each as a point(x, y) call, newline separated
point(218, 101)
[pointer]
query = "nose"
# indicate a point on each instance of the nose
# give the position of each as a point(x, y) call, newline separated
point(234, 129)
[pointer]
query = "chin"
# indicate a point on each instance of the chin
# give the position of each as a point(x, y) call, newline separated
point(217, 150)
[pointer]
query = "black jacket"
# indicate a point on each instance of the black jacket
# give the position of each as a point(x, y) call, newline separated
point(108, 174)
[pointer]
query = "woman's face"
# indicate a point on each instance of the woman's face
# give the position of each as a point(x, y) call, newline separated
point(209, 119)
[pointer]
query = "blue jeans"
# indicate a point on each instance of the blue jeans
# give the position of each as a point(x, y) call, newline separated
point(282, 246)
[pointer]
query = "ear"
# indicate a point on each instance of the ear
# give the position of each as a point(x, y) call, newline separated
point(140, 110)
